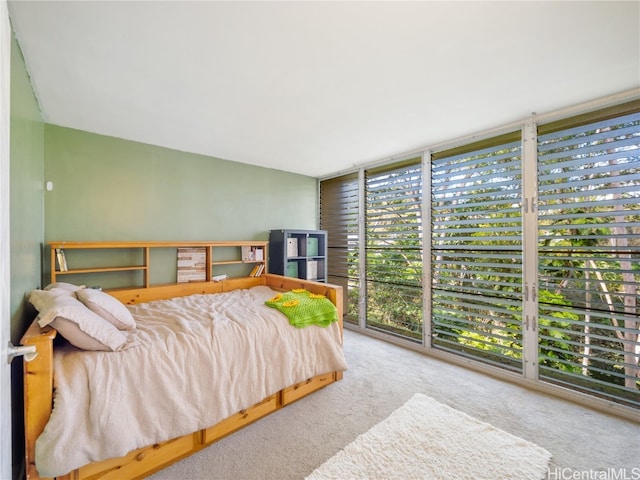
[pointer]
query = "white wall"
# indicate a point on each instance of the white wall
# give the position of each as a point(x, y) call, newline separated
point(5, 317)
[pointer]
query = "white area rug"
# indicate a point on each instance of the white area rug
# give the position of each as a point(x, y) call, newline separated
point(425, 439)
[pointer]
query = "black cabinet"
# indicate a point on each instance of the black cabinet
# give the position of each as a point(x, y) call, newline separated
point(299, 254)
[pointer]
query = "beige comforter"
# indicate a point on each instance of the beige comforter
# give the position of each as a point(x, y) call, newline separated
point(202, 358)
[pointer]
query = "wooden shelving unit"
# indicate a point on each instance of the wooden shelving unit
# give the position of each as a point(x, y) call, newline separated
point(217, 254)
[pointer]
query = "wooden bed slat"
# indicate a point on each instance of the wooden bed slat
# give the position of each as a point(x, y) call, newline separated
point(38, 388)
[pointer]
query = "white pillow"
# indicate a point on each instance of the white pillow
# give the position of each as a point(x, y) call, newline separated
point(79, 325)
point(43, 299)
point(109, 308)
point(74, 334)
point(70, 287)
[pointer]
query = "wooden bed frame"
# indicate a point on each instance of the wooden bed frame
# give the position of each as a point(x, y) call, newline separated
point(38, 385)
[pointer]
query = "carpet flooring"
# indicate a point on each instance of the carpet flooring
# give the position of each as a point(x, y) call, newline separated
point(429, 440)
point(293, 442)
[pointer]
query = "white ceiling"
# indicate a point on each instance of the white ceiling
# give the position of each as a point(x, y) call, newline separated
point(317, 87)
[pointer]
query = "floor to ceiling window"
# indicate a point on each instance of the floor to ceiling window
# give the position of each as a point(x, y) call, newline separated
point(589, 254)
point(339, 214)
point(393, 239)
point(523, 252)
point(476, 250)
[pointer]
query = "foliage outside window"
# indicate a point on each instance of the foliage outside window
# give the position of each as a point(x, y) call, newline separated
point(393, 199)
point(586, 219)
point(476, 247)
point(589, 250)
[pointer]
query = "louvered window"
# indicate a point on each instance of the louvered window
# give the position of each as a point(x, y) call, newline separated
point(532, 247)
point(589, 255)
point(393, 199)
point(476, 249)
point(339, 202)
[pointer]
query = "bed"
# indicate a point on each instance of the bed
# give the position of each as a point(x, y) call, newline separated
point(76, 432)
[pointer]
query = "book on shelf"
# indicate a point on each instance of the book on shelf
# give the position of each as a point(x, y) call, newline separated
point(257, 270)
point(254, 270)
point(192, 264)
point(62, 260)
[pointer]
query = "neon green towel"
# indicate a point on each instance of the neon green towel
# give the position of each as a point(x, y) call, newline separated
point(304, 308)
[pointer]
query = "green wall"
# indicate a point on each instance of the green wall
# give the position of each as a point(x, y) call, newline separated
point(106, 188)
point(26, 224)
point(26, 193)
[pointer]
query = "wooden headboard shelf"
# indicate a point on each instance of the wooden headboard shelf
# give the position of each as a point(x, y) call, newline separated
point(61, 266)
